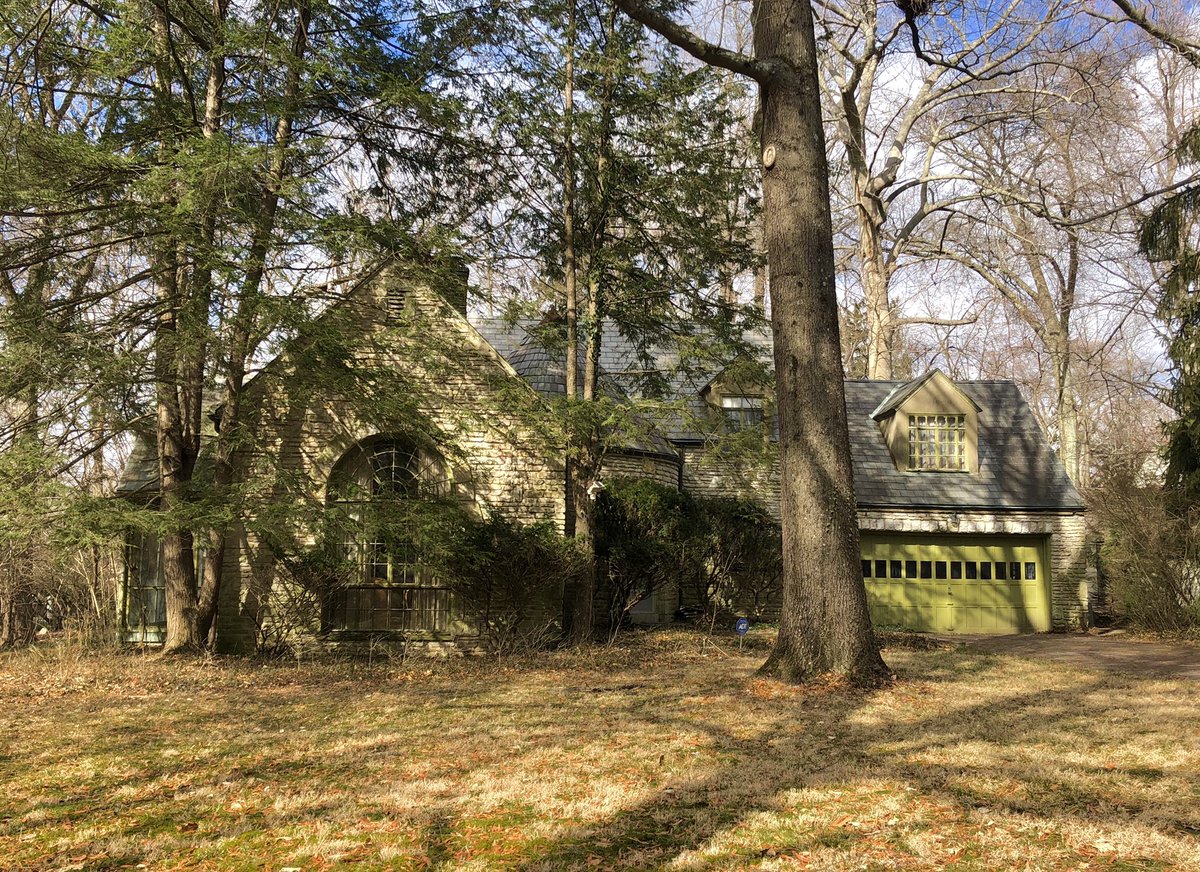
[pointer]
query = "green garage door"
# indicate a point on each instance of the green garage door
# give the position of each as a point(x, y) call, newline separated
point(957, 584)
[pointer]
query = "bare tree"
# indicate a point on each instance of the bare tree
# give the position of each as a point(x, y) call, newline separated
point(890, 129)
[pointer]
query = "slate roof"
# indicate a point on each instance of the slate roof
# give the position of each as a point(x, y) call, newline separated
point(546, 371)
point(1017, 468)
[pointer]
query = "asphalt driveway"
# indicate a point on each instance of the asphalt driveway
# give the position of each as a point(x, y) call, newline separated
point(1110, 651)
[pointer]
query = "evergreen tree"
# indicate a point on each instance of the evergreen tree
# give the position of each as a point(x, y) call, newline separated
point(1169, 235)
point(192, 184)
point(623, 164)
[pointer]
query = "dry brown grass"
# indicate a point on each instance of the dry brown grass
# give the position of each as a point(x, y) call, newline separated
point(661, 752)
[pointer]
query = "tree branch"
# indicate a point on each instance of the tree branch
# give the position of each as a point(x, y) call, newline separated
point(1187, 50)
point(937, 322)
point(701, 49)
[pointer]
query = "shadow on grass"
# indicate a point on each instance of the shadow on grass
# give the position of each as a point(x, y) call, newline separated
point(762, 758)
point(793, 751)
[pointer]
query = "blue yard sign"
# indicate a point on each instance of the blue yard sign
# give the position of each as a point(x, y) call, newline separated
point(742, 626)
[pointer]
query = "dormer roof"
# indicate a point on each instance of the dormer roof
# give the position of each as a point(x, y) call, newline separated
point(902, 392)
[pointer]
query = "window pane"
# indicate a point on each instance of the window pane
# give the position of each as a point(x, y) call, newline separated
point(1014, 571)
point(1031, 571)
point(910, 569)
point(866, 568)
point(881, 569)
point(935, 442)
point(939, 569)
point(985, 571)
point(956, 569)
point(970, 567)
point(895, 569)
point(1001, 571)
point(926, 569)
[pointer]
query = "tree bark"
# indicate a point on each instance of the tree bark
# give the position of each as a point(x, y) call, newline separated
point(176, 452)
point(231, 436)
point(824, 625)
point(882, 327)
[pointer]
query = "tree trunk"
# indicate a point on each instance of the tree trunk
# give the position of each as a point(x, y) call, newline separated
point(176, 454)
point(824, 626)
point(1066, 413)
point(881, 320)
point(570, 277)
point(241, 344)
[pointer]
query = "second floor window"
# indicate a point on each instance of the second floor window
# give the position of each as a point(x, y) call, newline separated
point(742, 413)
point(937, 443)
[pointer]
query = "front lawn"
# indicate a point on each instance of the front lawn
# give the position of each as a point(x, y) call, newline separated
point(660, 752)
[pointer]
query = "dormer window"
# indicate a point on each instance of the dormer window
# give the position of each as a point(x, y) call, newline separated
point(937, 443)
point(930, 425)
point(742, 413)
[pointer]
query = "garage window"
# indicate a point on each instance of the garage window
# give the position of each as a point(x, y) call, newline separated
point(1031, 572)
point(937, 443)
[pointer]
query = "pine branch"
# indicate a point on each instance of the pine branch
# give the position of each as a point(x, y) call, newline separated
point(762, 71)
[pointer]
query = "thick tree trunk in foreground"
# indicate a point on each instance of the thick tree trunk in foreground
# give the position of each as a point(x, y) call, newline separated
point(824, 625)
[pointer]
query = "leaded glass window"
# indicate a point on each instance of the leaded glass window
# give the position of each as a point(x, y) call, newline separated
point(937, 443)
point(389, 588)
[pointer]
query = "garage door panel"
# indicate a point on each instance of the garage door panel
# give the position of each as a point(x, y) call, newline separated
point(958, 584)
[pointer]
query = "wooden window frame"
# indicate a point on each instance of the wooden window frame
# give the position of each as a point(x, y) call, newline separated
point(937, 442)
point(406, 598)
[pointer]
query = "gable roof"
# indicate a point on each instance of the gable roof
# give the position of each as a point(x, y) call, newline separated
point(1017, 467)
point(896, 398)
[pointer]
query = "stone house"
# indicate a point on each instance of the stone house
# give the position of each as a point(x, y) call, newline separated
point(968, 521)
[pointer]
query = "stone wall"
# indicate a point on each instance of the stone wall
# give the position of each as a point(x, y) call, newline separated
point(706, 472)
point(448, 388)
point(657, 468)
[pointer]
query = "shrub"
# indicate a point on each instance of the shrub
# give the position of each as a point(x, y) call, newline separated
point(507, 580)
point(743, 559)
point(724, 553)
point(1151, 556)
point(646, 538)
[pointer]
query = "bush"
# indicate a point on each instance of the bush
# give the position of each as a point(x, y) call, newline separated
point(646, 539)
point(1151, 556)
point(743, 558)
point(507, 580)
point(724, 553)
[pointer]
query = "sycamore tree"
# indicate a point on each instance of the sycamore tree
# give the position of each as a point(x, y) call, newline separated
point(824, 624)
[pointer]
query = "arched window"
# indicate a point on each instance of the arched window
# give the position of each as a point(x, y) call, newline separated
point(374, 490)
